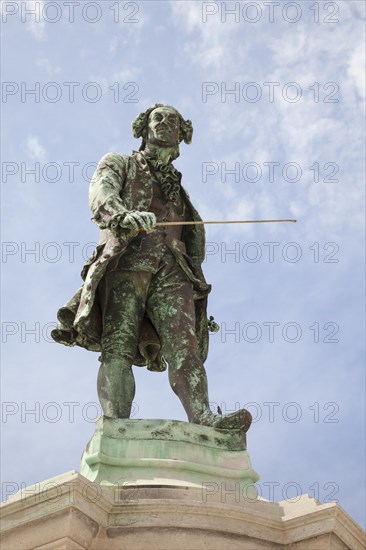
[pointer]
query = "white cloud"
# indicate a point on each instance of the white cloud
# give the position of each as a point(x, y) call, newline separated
point(33, 13)
point(127, 74)
point(356, 69)
point(35, 149)
point(29, 12)
point(46, 64)
point(113, 44)
point(304, 132)
point(215, 39)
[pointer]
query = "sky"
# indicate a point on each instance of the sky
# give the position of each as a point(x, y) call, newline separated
point(275, 92)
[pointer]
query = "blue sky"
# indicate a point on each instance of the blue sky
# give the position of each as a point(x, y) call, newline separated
point(271, 90)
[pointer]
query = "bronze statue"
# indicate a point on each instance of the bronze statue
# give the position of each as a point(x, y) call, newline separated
point(144, 296)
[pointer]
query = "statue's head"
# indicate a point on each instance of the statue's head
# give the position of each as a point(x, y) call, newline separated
point(163, 126)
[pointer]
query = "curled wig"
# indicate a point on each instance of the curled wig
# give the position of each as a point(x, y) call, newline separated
point(139, 125)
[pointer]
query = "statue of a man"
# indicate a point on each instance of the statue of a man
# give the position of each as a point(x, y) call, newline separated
point(144, 297)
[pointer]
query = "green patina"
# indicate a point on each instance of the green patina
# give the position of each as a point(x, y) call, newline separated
point(144, 297)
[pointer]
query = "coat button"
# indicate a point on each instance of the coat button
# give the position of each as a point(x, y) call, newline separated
point(88, 287)
point(107, 256)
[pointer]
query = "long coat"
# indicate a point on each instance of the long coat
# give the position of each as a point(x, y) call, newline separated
point(124, 183)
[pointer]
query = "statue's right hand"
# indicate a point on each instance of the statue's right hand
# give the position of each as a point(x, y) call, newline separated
point(138, 221)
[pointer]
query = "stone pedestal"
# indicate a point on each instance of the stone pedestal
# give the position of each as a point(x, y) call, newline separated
point(162, 484)
point(168, 453)
point(68, 512)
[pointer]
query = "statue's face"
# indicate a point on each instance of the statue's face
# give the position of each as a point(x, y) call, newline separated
point(163, 127)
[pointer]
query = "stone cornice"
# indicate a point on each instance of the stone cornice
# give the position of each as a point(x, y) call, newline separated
point(283, 523)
